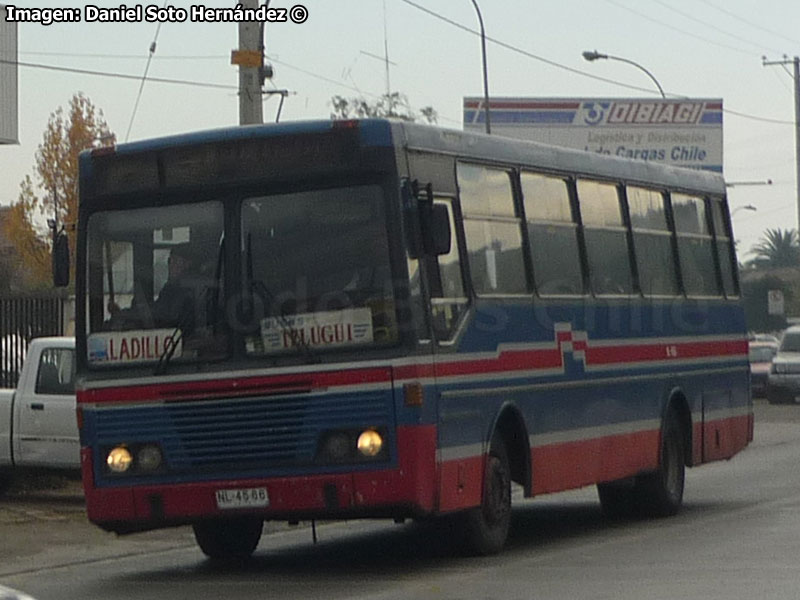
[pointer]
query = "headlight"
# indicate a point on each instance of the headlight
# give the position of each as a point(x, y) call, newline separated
point(348, 446)
point(370, 443)
point(119, 459)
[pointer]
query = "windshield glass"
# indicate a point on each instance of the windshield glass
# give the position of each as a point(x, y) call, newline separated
point(155, 284)
point(316, 265)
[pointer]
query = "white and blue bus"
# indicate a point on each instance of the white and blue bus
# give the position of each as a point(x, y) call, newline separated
point(383, 319)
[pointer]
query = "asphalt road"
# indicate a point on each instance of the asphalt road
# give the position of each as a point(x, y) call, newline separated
point(738, 537)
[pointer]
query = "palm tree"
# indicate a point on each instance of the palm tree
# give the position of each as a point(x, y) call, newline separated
point(777, 248)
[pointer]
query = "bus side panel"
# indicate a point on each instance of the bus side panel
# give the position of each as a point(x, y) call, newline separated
point(571, 465)
point(727, 419)
point(592, 383)
point(463, 429)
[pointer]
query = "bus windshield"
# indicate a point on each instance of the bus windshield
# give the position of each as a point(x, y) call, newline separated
point(155, 278)
point(316, 264)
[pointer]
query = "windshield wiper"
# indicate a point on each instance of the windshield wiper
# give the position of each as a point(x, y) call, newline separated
point(256, 286)
point(185, 320)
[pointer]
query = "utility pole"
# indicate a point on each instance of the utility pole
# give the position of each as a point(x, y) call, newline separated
point(796, 62)
point(250, 60)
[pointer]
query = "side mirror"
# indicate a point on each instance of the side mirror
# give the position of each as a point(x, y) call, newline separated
point(437, 231)
point(427, 224)
point(61, 260)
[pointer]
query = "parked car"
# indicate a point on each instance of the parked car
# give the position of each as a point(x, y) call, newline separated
point(760, 355)
point(38, 425)
point(765, 337)
point(783, 382)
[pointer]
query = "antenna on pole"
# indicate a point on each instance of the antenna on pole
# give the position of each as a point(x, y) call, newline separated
point(386, 51)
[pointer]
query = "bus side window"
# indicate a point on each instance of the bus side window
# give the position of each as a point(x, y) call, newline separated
point(553, 234)
point(725, 248)
point(695, 246)
point(652, 240)
point(493, 231)
point(606, 238)
point(448, 298)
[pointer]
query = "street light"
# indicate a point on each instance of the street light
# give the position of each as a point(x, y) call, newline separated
point(485, 71)
point(731, 184)
point(594, 55)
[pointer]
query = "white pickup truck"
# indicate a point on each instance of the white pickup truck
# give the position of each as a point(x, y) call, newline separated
point(38, 426)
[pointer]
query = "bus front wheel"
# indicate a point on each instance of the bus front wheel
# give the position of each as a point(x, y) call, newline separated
point(487, 525)
point(228, 539)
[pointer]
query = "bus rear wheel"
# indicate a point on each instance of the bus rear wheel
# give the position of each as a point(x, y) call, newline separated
point(5, 481)
point(657, 494)
point(486, 526)
point(660, 494)
point(228, 539)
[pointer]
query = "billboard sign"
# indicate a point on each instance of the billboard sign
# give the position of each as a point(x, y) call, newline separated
point(9, 133)
point(681, 132)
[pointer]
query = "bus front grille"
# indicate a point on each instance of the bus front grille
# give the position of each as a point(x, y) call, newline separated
point(241, 434)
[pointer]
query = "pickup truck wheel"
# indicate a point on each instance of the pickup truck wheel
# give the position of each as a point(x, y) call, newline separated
point(487, 525)
point(228, 539)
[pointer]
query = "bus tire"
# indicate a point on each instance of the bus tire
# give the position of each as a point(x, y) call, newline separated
point(228, 539)
point(660, 494)
point(487, 525)
point(6, 479)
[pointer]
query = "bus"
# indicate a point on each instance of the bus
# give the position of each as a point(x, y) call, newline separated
point(389, 320)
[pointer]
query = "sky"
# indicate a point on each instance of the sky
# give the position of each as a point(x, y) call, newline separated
point(695, 48)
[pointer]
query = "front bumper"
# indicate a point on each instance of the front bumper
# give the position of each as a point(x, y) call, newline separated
point(408, 489)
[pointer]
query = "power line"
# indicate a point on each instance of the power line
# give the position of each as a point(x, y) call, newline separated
point(219, 86)
point(430, 12)
point(127, 56)
point(525, 53)
point(677, 29)
point(557, 65)
point(748, 21)
point(711, 26)
point(144, 77)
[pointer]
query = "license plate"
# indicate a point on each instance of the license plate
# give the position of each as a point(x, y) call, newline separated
point(242, 498)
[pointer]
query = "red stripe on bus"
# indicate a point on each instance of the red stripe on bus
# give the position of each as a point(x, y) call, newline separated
point(228, 388)
point(508, 361)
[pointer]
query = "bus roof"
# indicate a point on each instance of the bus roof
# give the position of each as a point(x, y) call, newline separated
point(468, 145)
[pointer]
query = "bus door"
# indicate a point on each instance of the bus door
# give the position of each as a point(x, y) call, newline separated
point(459, 434)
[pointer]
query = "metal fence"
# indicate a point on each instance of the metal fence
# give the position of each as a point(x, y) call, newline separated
point(22, 319)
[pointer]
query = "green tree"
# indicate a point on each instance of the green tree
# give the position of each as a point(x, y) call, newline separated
point(394, 106)
point(755, 297)
point(776, 248)
point(52, 192)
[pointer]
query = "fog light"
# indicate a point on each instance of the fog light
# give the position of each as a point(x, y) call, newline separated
point(149, 458)
point(336, 447)
point(370, 443)
point(119, 459)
